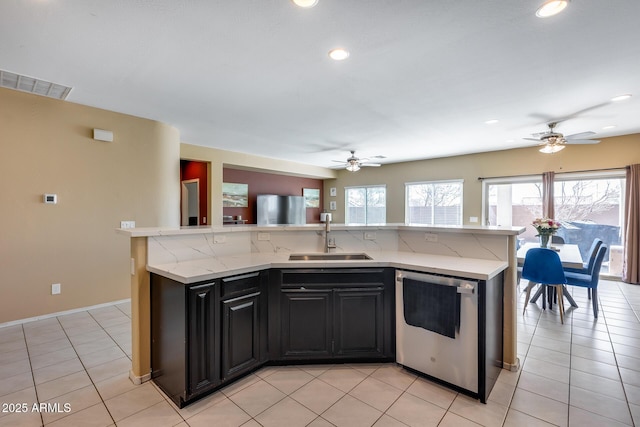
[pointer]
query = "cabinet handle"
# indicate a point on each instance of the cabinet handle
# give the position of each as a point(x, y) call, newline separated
point(203, 294)
point(302, 288)
point(244, 276)
point(206, 285)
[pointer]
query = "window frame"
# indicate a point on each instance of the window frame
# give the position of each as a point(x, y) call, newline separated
point(366, 204)
point(407, 209)
point(524, 179)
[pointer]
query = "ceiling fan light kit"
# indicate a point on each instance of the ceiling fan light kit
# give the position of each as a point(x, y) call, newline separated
point(353, 163)
point(551, 8)
point(555, 141)
point(552, 148)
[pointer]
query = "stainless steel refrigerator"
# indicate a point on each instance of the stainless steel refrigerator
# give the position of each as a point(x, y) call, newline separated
point(273, 209)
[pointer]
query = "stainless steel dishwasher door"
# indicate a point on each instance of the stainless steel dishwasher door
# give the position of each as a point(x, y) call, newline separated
point(454, 360)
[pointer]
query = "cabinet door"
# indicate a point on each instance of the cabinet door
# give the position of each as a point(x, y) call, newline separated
point(240, 334)
point(306, 323)
point(203, 357)
point(359, 322)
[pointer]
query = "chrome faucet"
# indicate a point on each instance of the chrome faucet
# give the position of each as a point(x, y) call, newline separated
point(327, 241)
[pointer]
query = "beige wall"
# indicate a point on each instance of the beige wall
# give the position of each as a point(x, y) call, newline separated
point(47, 147)
point(616, 152)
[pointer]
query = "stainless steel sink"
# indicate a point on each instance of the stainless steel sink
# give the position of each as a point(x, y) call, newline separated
point(327, 257)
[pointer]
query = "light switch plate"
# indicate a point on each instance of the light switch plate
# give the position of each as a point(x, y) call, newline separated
point(127, 224)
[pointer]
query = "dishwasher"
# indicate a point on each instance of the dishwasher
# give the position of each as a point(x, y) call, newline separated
point(437, 330)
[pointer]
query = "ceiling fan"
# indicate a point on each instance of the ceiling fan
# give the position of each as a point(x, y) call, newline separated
point(353, 163)
point(555, 141)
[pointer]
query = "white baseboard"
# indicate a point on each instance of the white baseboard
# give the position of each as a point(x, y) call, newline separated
point(62, 313)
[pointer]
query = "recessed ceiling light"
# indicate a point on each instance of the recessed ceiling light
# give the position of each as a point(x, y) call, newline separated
point(491, 122)
point(305, 3)
point(551, 7)
point(338, 54)
point(621, 97)
point(609, 127)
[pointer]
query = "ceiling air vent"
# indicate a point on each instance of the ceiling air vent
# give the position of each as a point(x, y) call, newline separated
point(32, 85)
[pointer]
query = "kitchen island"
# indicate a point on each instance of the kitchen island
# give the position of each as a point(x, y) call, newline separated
point(194, 254)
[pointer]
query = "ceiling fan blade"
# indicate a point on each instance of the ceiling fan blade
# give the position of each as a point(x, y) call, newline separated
point(581, 141)
point(532, 139)
point(339, 161)
point(374, 165)
point(580, 135)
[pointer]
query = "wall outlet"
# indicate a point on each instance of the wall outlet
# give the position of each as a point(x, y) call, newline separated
point(473, 219)
point(264, 237)
point(220, 238)
point(431, 237)
point(369, 235)
point(127, 224)
point(55, 289)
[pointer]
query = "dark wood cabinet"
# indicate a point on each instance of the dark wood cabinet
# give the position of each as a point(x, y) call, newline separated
point(306, 323)
point(244, 330)
point(185, 356)
point(332, 313)
point(206, 334)
point(358, 319)
point(202, 336)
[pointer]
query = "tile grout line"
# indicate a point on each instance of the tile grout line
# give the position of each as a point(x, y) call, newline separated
point(624, 389)
point(35, 389)
point(85, 370)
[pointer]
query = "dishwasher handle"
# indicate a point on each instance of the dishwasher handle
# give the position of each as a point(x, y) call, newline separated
point(467, 288)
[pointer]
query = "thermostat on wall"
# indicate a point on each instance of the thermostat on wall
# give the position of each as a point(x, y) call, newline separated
point(51, 198)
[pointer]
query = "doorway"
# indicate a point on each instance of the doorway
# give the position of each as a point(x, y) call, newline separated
point(190, 202)
point(194, 192)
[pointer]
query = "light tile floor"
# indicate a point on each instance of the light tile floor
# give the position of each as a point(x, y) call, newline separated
point(583, 373)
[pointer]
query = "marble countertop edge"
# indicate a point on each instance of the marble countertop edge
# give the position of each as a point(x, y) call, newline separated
point(195, 271)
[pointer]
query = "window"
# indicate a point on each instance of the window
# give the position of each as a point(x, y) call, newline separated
point(434, 203)
point(366, 205)
point(591, 205)
point(514, 202)
point(588, 204)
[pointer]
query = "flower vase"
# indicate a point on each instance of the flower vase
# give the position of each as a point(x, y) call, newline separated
point(544, 240)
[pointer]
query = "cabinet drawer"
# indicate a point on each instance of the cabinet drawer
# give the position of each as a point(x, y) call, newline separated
point(241, 284)
point(333, 276)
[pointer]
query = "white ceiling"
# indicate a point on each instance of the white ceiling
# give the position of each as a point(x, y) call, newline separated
point(254, 76)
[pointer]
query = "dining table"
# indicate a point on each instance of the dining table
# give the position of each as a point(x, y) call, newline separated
point(570, 257)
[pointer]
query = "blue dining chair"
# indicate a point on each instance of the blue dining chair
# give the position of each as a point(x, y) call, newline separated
point(543, 266)
point(590, 280)
point(587, 267)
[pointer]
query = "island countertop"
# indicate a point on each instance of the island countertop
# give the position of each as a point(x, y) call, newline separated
point(194, 271)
